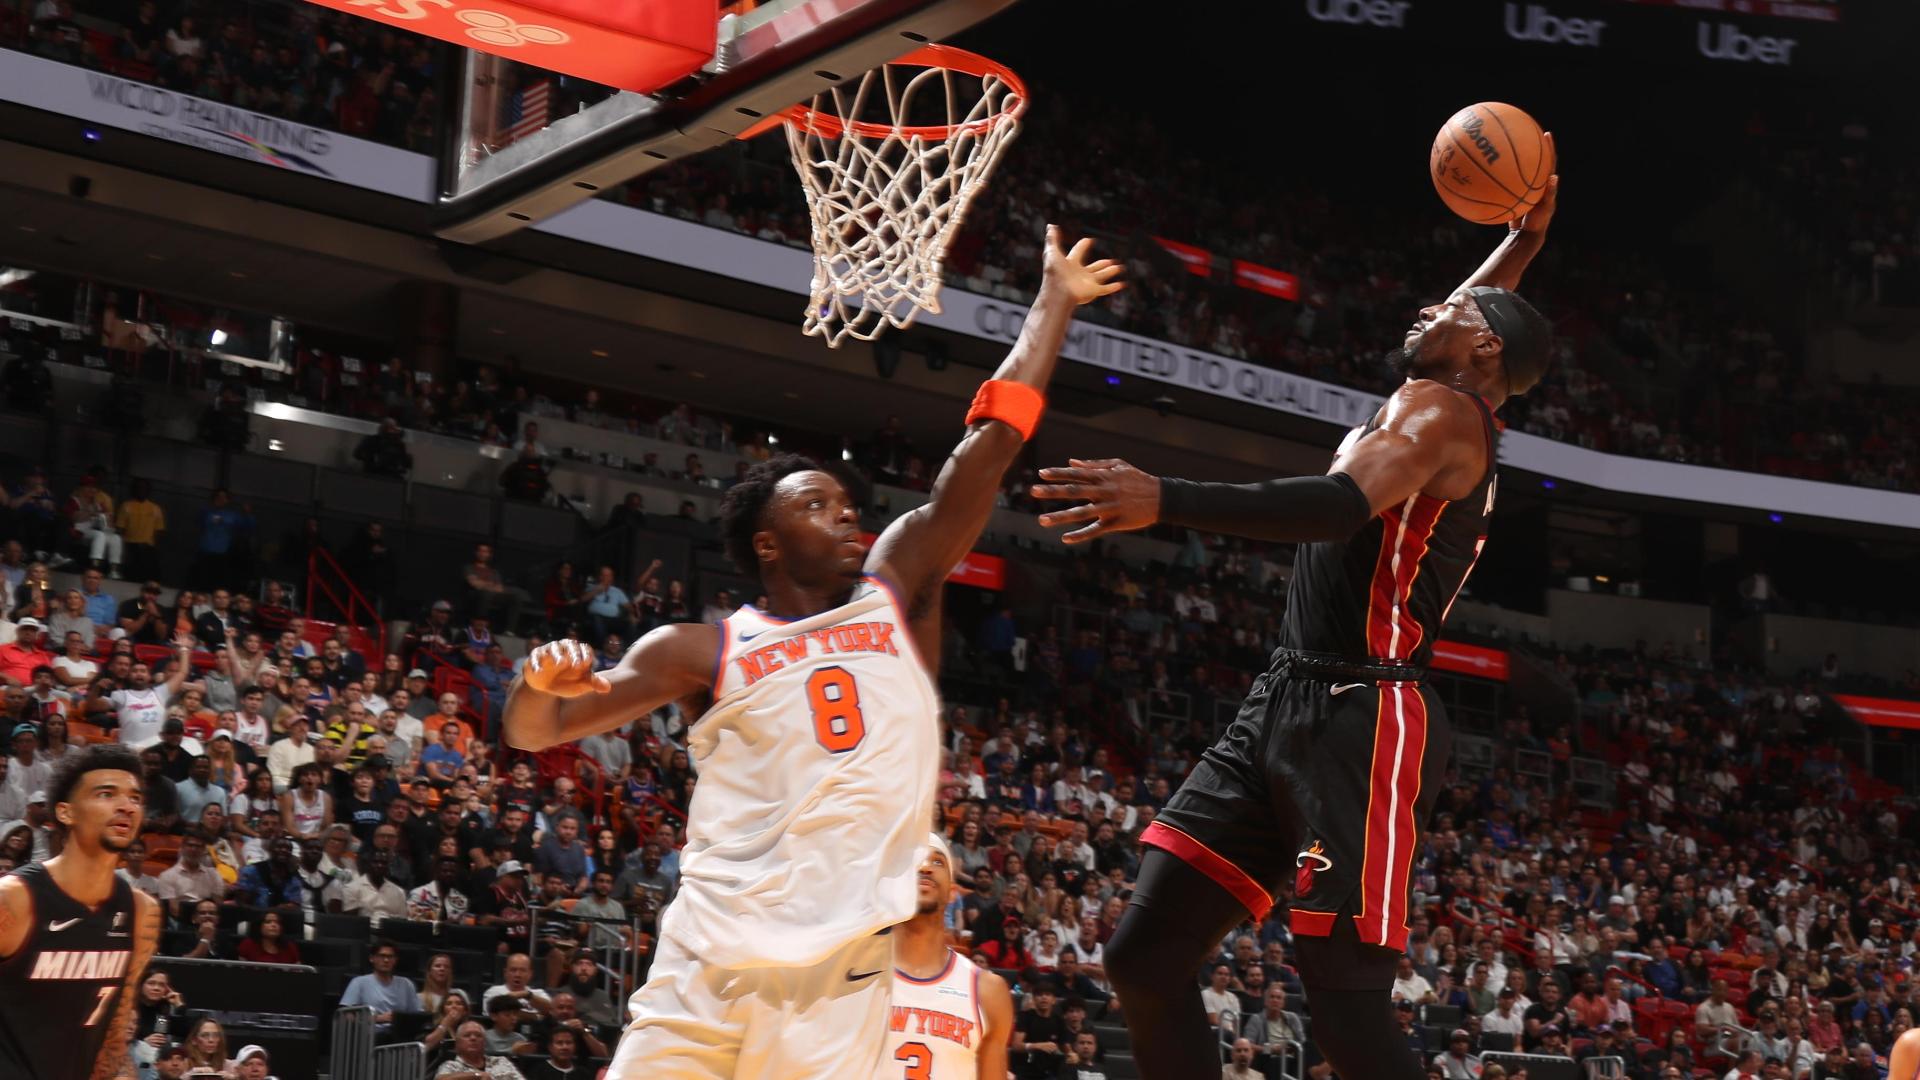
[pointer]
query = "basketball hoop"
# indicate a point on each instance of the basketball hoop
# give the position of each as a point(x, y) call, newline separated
point(887, 195)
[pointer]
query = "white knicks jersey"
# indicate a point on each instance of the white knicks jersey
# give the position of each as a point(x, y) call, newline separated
point(935, 1025)
point(818, 764)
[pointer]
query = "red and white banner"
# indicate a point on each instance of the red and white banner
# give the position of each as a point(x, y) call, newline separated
point(976, 569)
point(981, 572)
point(1464, 659)
point(1266, 279)
point(1881, 712)
point(1198, 260)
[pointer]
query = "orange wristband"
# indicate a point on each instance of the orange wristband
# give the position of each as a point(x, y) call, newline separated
point(1016, 405)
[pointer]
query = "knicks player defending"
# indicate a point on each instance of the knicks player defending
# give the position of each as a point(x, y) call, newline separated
point(1326, 778)
point(817, 742)
point(949, 1019)
point(74, 936)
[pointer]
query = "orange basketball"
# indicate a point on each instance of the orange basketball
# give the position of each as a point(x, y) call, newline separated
point(1490, 163)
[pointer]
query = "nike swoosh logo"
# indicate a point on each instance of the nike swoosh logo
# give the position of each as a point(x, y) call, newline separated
point(1341, 688)
point(744, 636)
point(851, 977)
point(61, 924)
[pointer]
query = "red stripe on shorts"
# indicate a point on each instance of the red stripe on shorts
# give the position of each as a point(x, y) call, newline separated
point(1211, 863)
point(1399, 751)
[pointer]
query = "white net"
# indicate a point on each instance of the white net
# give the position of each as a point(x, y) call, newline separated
point(887, 195)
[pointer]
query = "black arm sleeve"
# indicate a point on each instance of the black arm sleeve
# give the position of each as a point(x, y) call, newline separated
point(1301, 509)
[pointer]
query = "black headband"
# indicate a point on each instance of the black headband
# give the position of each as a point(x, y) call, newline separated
point(1526, 338)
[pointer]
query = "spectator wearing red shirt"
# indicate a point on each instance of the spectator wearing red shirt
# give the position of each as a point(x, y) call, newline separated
point(269, 943)
point(27, 652)
point(1006, 951)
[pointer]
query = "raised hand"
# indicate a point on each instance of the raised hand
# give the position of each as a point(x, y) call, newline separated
point(1070, 271)
point(564, 669)
point(1115, 497)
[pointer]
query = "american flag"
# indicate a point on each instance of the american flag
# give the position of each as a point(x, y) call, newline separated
point(527, 110)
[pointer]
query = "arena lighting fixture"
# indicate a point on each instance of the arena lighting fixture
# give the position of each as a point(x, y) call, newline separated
point(217, 338)
point(1113, 380)
point(1548, 484)
point(1775, 518)
point(772, 439)
point(91, 134)
point(602, 353)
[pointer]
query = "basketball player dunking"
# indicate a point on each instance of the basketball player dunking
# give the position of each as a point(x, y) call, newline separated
point(74, 936)
point(1326, 777)
point(817, 743)
point(949, 1019)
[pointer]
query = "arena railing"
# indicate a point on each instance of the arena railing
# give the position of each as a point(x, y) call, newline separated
point(625, 962)
point(400, 1061)
point(351, 1055)
point(355, 602)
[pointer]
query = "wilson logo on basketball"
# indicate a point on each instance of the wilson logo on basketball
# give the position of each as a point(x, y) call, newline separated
point(486, 27)
point(1472, 125)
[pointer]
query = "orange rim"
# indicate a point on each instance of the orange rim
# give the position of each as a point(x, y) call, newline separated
point(927, 56)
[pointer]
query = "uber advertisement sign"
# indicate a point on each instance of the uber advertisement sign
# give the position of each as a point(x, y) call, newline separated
point(1756, 34)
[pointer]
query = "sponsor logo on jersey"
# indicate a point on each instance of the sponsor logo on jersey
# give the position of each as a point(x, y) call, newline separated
point(1309, 862)
point(934, 1024)
point(874, 637)
point(81, 965)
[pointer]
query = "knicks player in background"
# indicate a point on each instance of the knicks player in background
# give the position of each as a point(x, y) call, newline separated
point(949, 1019)
point(74, 936)
point(1326, 777)
point(817, 743)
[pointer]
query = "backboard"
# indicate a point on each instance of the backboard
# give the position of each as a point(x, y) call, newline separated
point(529, 143)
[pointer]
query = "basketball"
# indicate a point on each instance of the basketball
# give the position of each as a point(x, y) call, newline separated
point(1490, 163)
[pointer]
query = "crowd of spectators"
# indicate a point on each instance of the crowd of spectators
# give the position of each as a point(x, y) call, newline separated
point(296, 773)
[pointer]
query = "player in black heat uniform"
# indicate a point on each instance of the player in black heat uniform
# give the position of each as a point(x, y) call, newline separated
point(74, 936)
point(1325, 779)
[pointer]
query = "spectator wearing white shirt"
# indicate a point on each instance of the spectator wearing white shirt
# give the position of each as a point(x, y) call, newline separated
point(28, 771)
point(141, 709)
point(517, 981)
point(192, 878)
point(371, 893)
point(1507, 1018)
point(1220, 1002)
point(1410, 985)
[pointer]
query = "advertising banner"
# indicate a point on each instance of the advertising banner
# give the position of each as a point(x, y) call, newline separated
point(108, 100)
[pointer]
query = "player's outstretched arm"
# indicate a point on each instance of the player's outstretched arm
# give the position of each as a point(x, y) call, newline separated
point(1525, 237)
point(1429, 434)
point(996, 1001)
point(558, 697)
point(920, 549)
point(114, 1062)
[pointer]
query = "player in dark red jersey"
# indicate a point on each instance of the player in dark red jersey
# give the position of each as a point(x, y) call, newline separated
point(74, 937)
point(1325, 779)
